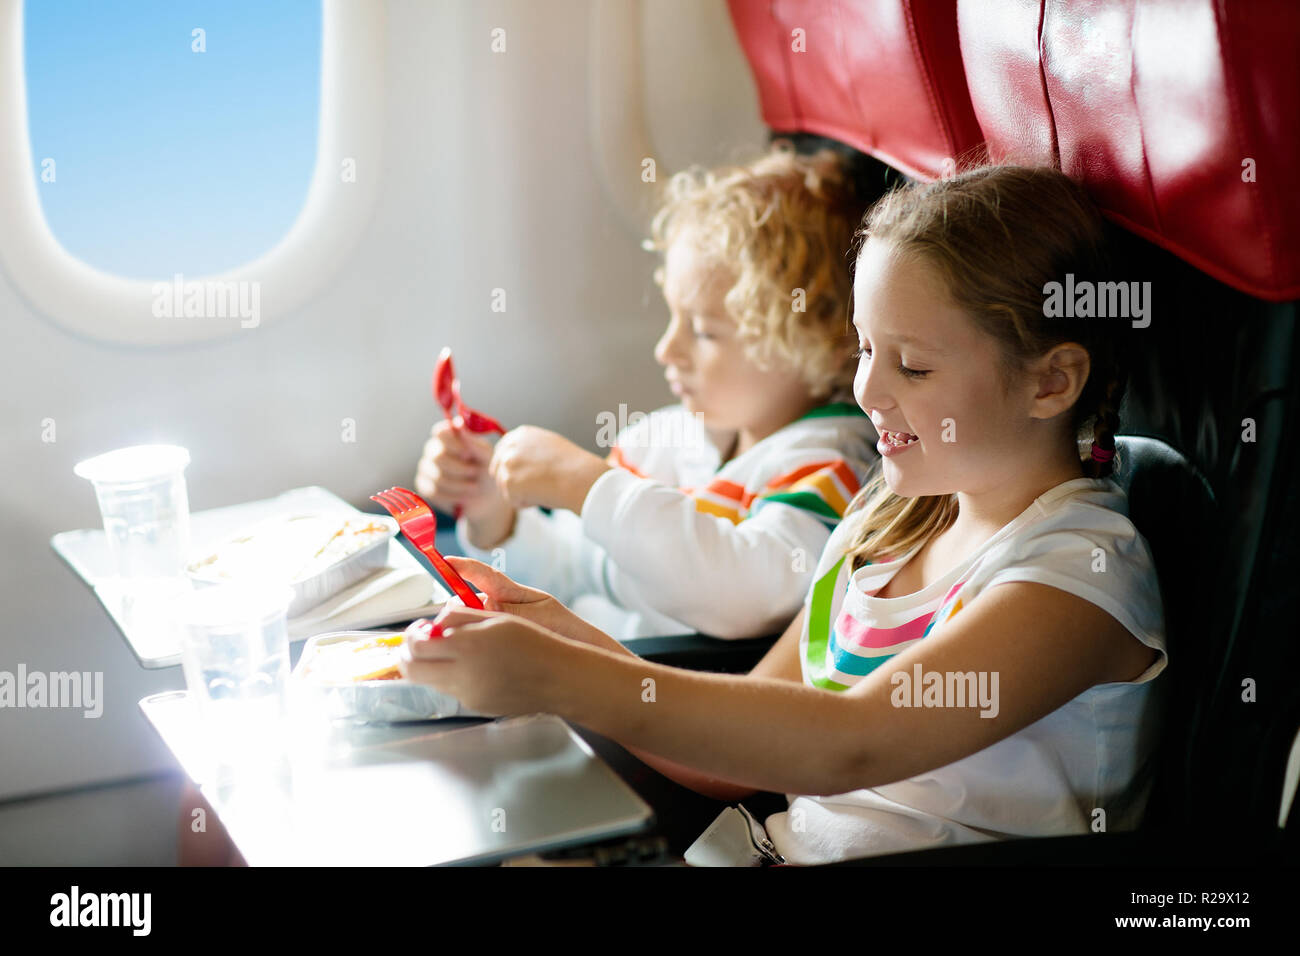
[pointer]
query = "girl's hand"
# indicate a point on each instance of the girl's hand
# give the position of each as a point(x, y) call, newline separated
point(533, 466)
point(501, 594)
point(493, 663)
point(453, 470)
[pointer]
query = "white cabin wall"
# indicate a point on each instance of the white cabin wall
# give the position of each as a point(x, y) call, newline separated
point(486, 182)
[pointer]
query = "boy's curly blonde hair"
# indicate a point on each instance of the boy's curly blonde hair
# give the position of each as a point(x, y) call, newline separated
point(784, 225)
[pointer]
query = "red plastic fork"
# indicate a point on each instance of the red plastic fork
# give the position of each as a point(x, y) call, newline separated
point(417, 522)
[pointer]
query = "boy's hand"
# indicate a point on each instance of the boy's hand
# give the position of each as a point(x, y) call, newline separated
point(534, 466)
point(453, 470)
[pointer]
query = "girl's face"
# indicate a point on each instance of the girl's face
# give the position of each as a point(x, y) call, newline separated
point(705, 360)
point(928, 376)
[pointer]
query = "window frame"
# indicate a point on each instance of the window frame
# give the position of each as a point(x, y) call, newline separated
point(111, 309)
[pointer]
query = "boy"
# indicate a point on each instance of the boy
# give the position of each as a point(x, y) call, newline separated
point(709, 515)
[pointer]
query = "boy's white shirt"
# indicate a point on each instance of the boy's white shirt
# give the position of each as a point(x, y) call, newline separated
point(642, 560)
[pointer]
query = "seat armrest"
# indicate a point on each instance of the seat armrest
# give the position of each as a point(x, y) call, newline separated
point(699, 652)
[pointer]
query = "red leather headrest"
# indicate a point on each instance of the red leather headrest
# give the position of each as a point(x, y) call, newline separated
point(885, 77)
point(1180, 116)
point(1157, 107)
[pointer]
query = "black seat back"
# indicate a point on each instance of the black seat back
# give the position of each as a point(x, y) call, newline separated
point(1210, 465)
point(1171, 504)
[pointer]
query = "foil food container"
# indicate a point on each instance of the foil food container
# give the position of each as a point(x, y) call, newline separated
point(322, 677)
point(285, 549)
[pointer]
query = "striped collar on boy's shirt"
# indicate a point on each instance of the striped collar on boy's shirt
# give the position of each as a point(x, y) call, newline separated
point(823, 488)
point(834, 410)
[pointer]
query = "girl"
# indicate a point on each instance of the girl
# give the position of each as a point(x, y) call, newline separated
point(708, 515)
point(975, 655)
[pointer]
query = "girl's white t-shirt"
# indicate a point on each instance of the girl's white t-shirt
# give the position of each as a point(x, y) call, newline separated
point(1084, 767)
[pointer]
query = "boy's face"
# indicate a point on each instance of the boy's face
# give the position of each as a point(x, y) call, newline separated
point(943, 386)
point(704, 359)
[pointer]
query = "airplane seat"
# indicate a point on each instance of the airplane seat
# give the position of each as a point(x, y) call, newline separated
point(1213, 388)
point(886, 78)
point(1248, 711)
point(1171, 504)
point(1174, 114)
point(1166, 111)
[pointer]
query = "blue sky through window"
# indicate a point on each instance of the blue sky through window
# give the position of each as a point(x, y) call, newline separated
point(168, 160)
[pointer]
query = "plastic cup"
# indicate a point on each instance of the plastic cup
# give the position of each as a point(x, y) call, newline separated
point(235, 655)
point(146, 511)
point(145, 507)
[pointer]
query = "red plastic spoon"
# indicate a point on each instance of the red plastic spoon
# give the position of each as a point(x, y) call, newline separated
point(446, 391)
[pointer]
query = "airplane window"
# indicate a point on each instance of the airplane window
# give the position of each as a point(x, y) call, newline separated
point(172, 138)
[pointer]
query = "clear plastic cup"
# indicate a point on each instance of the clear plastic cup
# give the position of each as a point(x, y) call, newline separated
point(235, 655)
point(146, 512)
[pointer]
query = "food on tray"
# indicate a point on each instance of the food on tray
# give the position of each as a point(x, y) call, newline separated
point(355, 675)
point(291, 548)
point(341, 662)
